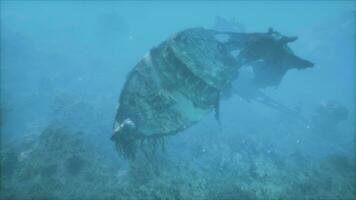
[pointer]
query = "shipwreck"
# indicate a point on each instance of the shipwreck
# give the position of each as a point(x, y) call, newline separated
point(181, 80)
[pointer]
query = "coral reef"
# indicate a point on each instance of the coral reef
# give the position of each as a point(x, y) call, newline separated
point(60, 164)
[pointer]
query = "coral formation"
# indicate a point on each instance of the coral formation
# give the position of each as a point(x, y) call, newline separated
point(60, 164)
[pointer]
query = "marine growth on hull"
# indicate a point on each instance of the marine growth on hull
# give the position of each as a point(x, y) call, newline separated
point(181, 80)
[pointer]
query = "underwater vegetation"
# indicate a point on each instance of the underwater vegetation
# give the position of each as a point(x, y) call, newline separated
point(58, 164)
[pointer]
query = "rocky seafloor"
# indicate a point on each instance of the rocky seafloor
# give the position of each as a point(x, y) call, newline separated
point(58, 163)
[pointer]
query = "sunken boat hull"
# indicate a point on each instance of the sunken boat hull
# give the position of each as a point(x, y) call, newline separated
point(179, 82)
point(175, 85)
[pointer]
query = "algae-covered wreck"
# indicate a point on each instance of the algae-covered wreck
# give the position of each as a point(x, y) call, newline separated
point(180, 81)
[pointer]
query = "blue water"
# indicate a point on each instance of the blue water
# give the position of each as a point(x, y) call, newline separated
point(64, 63)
